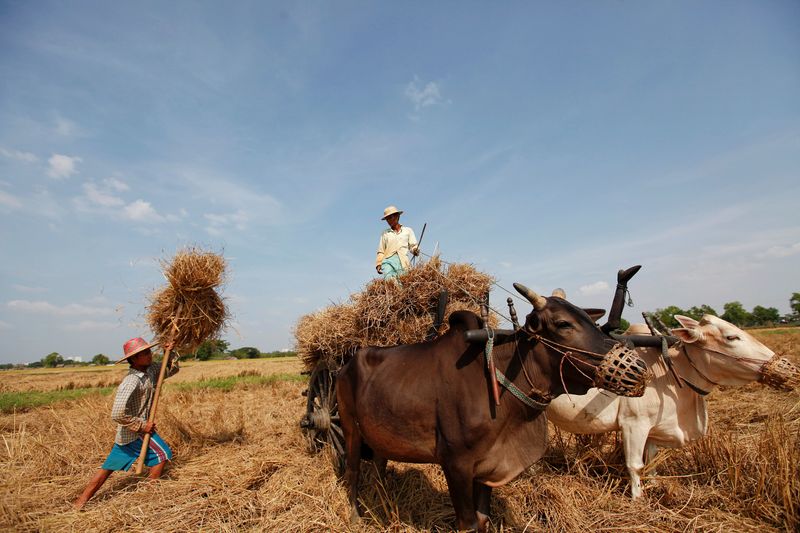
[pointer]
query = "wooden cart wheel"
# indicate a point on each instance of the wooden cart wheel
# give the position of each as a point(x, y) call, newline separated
point(321, 421)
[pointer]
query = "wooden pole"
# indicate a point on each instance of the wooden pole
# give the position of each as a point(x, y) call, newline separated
point(152, 414)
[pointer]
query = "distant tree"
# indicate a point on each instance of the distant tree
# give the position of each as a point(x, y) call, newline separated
point(624, 324)
point(698, 312)
point(247, 352)
point(35, 364)
point(666, 315)
point(736, 314)
point(765, 316)
point(52, 360)
point(100, 359)
point(794, 303)
point(210, 349)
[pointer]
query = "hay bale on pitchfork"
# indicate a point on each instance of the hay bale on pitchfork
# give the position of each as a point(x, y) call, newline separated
point(186, 312)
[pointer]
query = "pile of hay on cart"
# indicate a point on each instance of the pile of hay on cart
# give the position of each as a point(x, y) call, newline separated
point(389, 312)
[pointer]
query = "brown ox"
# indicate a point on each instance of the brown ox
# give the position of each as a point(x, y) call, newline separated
point(430, 402)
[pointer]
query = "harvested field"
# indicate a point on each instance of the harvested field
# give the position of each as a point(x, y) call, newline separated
point(241, 465)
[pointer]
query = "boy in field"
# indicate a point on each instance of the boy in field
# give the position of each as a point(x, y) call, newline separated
point(130, 411)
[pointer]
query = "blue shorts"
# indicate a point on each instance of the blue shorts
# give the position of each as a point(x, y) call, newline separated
point(392, 267)
point(122, 457)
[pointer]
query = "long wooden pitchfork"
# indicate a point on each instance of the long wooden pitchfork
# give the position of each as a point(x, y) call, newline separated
point(161, 373)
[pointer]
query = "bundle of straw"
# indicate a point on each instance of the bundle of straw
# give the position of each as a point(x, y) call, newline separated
point(189, 301)
point(388, 312)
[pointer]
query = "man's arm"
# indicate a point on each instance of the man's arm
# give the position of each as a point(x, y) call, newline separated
point(381, 253)
point(413, 246)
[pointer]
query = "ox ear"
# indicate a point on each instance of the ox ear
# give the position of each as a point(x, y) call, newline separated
point(559, 293)
point(595, 314)
point(687, 322)
point(688, 335)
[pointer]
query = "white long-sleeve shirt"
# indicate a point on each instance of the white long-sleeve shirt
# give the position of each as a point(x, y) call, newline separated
point(396, 242)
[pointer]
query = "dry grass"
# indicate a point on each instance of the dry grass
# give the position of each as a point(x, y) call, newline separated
point(388, 313)
point(51, 379)
point(241, 465)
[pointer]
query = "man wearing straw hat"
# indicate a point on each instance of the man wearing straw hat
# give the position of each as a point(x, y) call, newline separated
point(130, 412)
point(395, 243)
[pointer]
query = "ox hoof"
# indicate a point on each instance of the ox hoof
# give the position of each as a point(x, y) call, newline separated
point(355, 519)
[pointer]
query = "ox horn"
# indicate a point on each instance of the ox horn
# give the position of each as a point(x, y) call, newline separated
point(538, 301)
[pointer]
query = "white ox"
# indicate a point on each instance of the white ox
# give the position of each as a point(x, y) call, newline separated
point(713, 352)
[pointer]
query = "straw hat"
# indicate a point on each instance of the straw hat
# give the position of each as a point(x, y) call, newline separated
point(391, 210)
point(134, 346)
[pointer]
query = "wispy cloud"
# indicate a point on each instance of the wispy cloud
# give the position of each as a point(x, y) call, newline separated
point(18, 155)
point(100, 197)
point(46, 308)
point(780, 251)
point(91, 325)
point(5, 325)
point(142, 211)
point(423, 94)
point(598, 287)
point(62, 166)
point(9, 200)
point(25, 288)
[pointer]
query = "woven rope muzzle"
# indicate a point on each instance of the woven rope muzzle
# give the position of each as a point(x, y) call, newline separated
point(780, 374)
point(622, 372)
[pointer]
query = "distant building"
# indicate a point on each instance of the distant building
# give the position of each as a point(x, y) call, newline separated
point(77, 359)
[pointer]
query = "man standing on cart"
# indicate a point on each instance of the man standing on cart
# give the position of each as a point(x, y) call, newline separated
point(395, 243)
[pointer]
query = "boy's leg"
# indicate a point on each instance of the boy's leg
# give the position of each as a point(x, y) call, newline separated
point(156, 471)
point(94, 485)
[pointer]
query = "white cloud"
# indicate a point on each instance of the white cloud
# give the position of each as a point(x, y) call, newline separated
point(46, 308)
point(62, 166)
point(102, 198)
point(65, 127)
point(90, 325)
point(218, 223)
point(598, 287)
point(116, 184)
point(142, 211)
point(9, 200)
point(25, 288)
point(781, 251)
point(425, 96)
point(5, 325)
point(16, 154)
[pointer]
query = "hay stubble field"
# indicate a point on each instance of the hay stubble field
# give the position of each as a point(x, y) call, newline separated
point(241, 463)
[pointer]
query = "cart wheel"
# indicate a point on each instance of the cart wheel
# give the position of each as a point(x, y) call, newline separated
point(321, 421)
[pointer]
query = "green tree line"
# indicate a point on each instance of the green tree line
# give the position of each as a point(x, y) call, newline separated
point(733, 312)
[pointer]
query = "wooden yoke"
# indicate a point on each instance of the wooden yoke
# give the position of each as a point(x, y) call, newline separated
point(152, 415)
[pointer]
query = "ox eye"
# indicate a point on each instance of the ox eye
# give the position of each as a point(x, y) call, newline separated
point(733, 337)
point(561, 324)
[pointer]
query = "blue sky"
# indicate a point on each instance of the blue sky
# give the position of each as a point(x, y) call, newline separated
point(549, 143)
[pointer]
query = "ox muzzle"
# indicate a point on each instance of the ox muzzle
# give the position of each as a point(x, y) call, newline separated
point(622, 372)
point(780, 374)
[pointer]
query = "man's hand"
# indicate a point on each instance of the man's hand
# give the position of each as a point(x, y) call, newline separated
point(415, 251)
point(379, 269)
point(149, 427)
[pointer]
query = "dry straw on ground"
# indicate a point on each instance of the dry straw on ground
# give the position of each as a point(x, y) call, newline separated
point(188, 309)
point(388, 312)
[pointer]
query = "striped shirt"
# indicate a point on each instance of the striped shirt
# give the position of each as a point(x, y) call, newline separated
point(133, 400)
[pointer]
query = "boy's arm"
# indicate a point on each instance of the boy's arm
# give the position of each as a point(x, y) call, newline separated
point(119, 412)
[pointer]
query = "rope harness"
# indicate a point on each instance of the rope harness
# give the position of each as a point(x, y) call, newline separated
point(618, 371)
